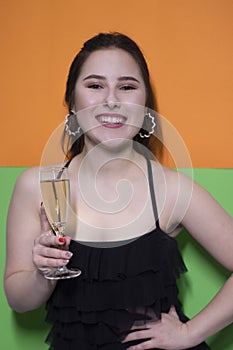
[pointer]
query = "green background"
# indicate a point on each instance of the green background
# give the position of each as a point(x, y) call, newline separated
point(205, 276)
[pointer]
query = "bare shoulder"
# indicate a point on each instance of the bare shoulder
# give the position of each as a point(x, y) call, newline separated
point(27, 184)
point(173, 191)
point(188, 205)
point(28, 177)
point(175, 182)
point(23, 212)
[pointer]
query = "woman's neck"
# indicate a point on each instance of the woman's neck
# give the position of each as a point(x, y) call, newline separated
point(109, 160)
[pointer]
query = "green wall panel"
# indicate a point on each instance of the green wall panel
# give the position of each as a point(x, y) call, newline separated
point(205, 276)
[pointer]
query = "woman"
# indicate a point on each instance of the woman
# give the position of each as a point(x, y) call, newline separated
point(126, 296)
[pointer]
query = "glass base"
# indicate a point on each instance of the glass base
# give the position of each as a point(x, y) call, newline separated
point(62, 273)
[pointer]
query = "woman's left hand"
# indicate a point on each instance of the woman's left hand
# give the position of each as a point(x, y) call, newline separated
point(167, 333)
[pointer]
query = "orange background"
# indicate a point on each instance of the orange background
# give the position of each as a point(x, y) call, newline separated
point(188, 46)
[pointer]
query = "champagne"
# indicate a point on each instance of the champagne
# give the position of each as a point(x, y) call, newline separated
point(56, 195)
point(55, 191)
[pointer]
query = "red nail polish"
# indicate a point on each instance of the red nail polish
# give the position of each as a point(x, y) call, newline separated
point(61, 239)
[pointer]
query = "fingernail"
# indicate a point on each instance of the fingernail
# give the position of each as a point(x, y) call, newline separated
point(65, 262)
point(69, 255)
point(61, 239)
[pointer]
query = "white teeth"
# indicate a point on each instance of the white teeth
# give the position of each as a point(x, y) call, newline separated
point(111, 120)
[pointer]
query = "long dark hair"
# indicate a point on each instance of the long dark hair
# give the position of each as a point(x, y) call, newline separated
point(105, 41)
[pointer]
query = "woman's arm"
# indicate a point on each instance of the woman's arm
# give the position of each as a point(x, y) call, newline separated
point(28, 248)
point(194, 208)
point(212, 227)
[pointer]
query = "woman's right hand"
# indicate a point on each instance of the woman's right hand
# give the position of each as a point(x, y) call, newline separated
point(47, 254)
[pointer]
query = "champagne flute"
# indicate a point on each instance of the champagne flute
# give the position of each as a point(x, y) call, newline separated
point(55, 190)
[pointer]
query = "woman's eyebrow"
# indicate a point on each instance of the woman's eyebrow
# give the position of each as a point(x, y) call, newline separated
point(128, 77)
point(94, 76)
point(101, 77)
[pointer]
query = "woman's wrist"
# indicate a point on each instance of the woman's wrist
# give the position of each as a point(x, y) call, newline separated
point(195, 334)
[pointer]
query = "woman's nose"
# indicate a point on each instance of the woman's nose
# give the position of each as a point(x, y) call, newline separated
point(112, 104)
point(111, 100)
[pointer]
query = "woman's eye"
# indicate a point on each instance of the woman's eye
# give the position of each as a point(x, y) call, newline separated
point(128, 87)
point(94, 86)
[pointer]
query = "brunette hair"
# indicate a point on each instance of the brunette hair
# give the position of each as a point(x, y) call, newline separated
point(106, 41)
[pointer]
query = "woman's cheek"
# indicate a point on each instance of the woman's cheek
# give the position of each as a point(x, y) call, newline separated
point(82, 103)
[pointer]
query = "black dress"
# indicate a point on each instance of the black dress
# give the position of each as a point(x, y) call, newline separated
point(129, 284)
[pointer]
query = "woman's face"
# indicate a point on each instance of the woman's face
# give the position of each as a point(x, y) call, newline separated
point(110, 96)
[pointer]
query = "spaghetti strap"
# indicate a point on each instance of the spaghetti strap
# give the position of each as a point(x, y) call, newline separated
point(152, 192)
point(67, 163)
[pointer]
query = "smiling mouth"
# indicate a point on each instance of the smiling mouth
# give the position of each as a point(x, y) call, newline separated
point(114, 120)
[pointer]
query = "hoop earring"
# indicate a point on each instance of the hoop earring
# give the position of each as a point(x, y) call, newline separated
point(71, 124)
point(151, 119)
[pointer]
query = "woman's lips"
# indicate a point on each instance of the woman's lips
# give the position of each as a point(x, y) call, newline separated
point(112, 121)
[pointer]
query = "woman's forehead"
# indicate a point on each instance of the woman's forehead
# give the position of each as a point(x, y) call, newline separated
point(112, 61)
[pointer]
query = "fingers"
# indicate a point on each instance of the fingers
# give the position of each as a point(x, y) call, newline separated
point(51, 258)
point(137, 335)
point(167, 333)
point(46, 259)
point(49, 240)
point(64, 241)
point(47, 253)
point(172, 312)
point(145, 345)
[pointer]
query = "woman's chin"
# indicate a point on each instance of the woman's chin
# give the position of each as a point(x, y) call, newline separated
point(115, 144)
point(110, 140)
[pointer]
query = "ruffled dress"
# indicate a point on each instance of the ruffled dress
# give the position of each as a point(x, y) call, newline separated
point(120, 287)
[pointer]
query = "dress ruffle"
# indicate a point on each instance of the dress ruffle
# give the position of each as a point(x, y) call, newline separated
point(118, 288)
